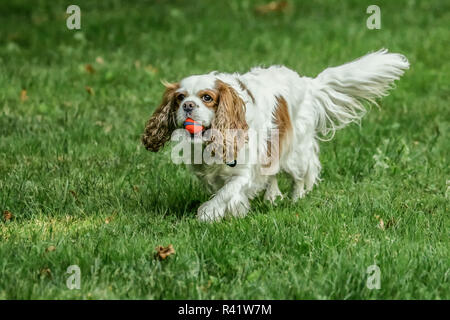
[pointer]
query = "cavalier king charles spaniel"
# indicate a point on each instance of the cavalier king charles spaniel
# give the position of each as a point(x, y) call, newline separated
point(263, 122)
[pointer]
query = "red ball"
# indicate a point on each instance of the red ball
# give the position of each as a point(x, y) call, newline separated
point(192, 126)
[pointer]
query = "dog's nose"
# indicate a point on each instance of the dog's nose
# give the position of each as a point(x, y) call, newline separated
point(188, 106)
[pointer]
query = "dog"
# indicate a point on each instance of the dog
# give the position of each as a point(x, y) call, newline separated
point(289, 113)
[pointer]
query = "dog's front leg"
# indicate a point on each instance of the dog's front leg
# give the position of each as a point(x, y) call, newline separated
point(230, 198)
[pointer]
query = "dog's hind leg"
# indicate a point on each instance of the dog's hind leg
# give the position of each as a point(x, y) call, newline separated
point(304, 185)
point(303, 166)
point(298, 190)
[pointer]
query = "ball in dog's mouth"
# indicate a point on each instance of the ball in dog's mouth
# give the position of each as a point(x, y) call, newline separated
point(193, 126)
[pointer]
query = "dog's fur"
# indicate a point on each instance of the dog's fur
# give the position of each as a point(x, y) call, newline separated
point(303, 109)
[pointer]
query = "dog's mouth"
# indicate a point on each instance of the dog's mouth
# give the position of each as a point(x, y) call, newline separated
point(194, 127)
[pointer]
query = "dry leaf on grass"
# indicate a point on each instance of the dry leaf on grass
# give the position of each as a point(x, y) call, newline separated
point(151, 69)
point(89, 90)
point(380, 222)
point(107, 128)
point(111, 217)
point(108, 219)
point(23, 95)
point(164, 252)
point(7, 215)
point(391, 222)
point(74, 194)
point(45, 272)
point(382, 225)
point(274, 6)
point(50, 249)
point(89, 68)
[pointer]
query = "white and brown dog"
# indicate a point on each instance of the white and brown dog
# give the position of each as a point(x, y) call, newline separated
point(300, 110)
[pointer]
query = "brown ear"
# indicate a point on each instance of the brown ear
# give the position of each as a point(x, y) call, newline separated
point(162, 123)
point(230, 121)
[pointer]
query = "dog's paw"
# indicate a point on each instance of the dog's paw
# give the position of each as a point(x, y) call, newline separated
point(296, 196)
point(238, 207)
point(298, 192)
point(272, 195)
point(210, 212)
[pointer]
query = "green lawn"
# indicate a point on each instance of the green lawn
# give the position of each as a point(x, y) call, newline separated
point(74, 174)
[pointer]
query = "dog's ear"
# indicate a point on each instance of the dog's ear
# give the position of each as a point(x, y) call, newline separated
point(162, 123)
point(230, 122)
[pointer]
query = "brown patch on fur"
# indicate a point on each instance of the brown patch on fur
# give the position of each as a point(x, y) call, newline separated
point(230, 115)
point(244, 87)
point(284, 134)
point(213, 94)
point(283, 122)
point(162, 123)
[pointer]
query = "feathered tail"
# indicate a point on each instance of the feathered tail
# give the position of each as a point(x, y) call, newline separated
point(338, 93)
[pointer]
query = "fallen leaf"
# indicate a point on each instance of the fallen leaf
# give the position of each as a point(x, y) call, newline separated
point(99, 60)
point(7, 215)
point(111, 217)
point(391, 222)
point(45, 272)
point(23, 95)
point(273, 6)
point(107, 128)
point(164, 252)
point(89, 90)
point(89, 68)
point(74, 194)
point(151, 69)
point(381, 224)
point(50, 249)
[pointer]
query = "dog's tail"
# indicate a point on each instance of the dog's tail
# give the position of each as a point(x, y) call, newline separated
point(337, 93)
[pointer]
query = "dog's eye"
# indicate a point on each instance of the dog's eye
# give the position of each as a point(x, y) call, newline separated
point(207, 98)
point(180, 97)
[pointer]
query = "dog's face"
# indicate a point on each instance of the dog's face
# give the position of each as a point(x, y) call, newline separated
point(197, 98)
point(203, 98)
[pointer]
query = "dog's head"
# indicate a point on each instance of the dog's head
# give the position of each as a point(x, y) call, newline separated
point(205, 99)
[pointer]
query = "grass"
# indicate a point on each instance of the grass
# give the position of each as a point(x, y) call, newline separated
point(74, 175)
